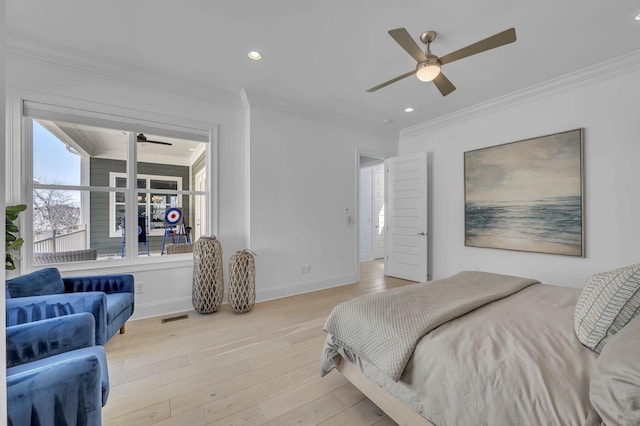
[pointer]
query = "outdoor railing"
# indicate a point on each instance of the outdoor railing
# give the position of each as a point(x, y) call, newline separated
point(75, 240)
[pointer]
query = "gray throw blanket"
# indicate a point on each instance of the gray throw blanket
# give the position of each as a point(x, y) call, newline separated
point(385, 327)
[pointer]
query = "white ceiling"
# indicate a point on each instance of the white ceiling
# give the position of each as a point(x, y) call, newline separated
point(112, 143)
point(325, 54)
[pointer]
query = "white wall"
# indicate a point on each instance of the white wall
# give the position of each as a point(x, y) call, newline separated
point(303, 177)
point(365, 213)
point(167, 288)
point(3, 351)
point(608, 109)
point(284, 179)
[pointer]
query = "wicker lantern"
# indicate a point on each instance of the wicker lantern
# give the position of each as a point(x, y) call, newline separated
point(208, 283)
point(242, 281)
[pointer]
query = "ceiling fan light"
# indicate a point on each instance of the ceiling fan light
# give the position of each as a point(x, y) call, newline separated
point(427, 71)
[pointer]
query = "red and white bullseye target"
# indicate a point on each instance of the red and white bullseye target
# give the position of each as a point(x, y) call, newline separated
point(173, 216)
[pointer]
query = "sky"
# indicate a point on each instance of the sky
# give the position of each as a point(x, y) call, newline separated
point(52, 163)
point(530, 170)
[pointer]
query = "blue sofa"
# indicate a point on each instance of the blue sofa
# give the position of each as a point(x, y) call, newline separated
point(55, 372)
point(45, 294)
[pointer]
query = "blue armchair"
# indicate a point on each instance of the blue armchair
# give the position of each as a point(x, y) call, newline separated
point(55, 373)
point(45, 294)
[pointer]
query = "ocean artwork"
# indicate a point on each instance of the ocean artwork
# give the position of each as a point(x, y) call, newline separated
point(527, 195)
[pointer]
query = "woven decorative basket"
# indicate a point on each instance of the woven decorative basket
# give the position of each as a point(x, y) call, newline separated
point(65, 256)
point(179, 248)
point(242, 281)
point(208, 283)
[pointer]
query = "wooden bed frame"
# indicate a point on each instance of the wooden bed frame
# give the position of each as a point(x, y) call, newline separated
point(392, 406)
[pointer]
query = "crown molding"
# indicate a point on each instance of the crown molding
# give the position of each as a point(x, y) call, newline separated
point(121, 71)
point(140, 76)
point(618, 66)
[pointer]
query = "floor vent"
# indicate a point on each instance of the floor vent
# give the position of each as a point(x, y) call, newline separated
point(177, 318)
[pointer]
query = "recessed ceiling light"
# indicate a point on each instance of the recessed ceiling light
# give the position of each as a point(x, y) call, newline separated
point(638, 17)
point(192, 149)
point(387, 121)
point(408, 109)
point(255, 55)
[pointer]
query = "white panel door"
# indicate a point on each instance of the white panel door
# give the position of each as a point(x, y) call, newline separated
point(378, 211)
point(406, 217)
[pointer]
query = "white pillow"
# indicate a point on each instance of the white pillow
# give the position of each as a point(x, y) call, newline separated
point(608, 301)
point(614, 388)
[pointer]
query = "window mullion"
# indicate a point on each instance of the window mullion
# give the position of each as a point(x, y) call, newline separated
point(131, 201)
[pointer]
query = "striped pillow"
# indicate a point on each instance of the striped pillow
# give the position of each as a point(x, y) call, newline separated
point(607, 303)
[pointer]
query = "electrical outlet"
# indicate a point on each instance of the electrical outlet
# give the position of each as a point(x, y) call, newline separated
point(139, 288)
point(305, 269)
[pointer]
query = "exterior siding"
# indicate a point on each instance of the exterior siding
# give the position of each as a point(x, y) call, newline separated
point(99, 202)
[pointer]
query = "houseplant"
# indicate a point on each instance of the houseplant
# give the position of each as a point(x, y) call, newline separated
point(13, 242)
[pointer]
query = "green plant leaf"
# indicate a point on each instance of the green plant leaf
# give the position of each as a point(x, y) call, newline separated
point(12, 242)
point(9, 264)
point(16, 244)
point(17, 208)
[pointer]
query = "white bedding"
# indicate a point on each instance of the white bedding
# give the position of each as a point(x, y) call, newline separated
point(384, 327)
point(515, 361)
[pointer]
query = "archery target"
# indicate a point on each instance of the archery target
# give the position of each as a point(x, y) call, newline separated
point(173, 216)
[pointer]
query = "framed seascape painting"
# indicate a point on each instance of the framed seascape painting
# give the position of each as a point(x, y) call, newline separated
point(527, 195)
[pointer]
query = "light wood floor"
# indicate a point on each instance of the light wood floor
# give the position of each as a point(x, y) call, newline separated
point(257, 368)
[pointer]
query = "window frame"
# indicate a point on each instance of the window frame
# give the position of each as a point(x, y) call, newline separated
point(19, 172)
point(117, 233)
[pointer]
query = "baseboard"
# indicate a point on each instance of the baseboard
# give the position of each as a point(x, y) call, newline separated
point(182, 304)
point(306, 287)
point(162, 307)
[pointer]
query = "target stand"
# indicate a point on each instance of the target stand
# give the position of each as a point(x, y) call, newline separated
point(174, 228)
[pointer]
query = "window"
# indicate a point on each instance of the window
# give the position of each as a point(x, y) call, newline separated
point(153, 207)
point(79, 191)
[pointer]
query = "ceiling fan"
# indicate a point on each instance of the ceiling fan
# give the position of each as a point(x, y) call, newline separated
point(428, 66)
point(142, 138)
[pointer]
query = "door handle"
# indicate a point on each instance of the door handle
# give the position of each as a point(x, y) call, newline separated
point(421, 233)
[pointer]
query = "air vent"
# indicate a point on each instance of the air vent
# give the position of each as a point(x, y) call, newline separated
point(176, 318)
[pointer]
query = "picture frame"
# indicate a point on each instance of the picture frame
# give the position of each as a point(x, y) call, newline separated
point(527, 195)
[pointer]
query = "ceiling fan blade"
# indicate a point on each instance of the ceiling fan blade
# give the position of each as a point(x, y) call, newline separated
point(497, 40)
point(443, 84)
point(159, 142)
point(140, 137)
point(386, 83)
point(402, 37)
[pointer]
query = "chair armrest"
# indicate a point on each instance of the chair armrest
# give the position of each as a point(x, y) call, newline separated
point(36, 308)
point(117, 283)
point(67, 390)
point(40, 339)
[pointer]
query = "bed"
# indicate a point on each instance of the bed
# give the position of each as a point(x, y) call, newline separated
point(508, 358)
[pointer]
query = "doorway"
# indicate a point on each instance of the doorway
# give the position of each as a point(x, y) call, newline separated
point(371, 233)
point(398, 223)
